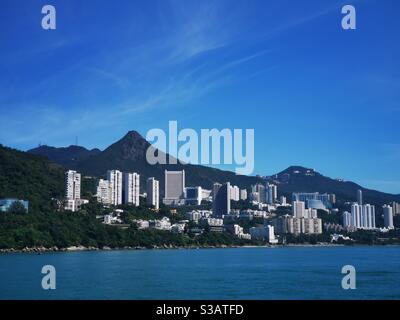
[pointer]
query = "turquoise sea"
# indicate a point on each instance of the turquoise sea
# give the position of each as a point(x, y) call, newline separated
point(237, 273)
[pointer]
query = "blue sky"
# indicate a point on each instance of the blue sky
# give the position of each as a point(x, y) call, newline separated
point(316, 95)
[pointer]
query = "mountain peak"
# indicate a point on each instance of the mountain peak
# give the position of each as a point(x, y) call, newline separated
point(132, 146)
point(133, 135)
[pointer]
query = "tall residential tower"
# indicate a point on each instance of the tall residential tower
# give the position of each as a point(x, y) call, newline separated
point(221, 199)
point(115, 179)
point(72, 185)
point(153, 193)
point(131, 188)
point(174, 186)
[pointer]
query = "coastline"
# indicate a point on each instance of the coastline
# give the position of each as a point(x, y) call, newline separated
point(80, 248)
point(43, 250)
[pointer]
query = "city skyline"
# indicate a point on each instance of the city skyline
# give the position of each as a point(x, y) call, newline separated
point(285, 73)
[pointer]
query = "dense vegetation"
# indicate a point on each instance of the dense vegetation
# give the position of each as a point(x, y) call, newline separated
point(74, 229)
point(31, 178)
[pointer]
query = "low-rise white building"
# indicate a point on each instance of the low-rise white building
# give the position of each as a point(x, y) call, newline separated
point(178, 227)
point(238, 231)
point(235, 229)
point(110, 219)
point(196, 215)
point(271, 235)
point(244, 236)
point(335, 237)
point(213, 222)
point(142, 224)
point(162, 224)
point(107, 219)
point(264, 233)
point(250, 214)
point(74, 204)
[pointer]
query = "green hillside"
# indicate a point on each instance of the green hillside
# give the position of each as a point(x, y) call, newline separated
point(30, 177)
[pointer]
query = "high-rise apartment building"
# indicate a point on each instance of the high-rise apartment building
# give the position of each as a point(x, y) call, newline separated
point(271, 193)
point(359, 197)
point(258, 190)
point(297, 225)
point(289, 224)
point(73, 201)
point(356, 214)
point(347, 219)
point(396, 208)
point(131, 188)
point(221, 199)
point(332, 198)
point(174, 186)
point(235, 193)
point(363, 216)
point(368, 216)
point(307, 226)
point(388, 217)
point(311, 213)
point(115, 179)
point(72, 185)
point(193, 196)
point(103, 192)
point(298, 208)
point(153, 193)
point(243, 194)
point(283, 224)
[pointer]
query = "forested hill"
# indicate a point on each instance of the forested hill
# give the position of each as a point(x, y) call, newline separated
point(30, 177)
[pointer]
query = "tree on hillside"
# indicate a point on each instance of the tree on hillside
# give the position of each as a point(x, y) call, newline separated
point(17, 208)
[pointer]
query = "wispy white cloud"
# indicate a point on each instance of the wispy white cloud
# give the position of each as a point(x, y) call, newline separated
point(156, 73)
point(201, 30)
point(40, 51)
point(293, 22)
point(118, 80)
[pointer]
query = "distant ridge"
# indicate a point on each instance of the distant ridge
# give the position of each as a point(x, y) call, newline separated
point(66, 156)
point(129, 154)
point(297, 178)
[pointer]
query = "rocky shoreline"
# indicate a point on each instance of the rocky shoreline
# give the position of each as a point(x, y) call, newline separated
point(40, 250)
